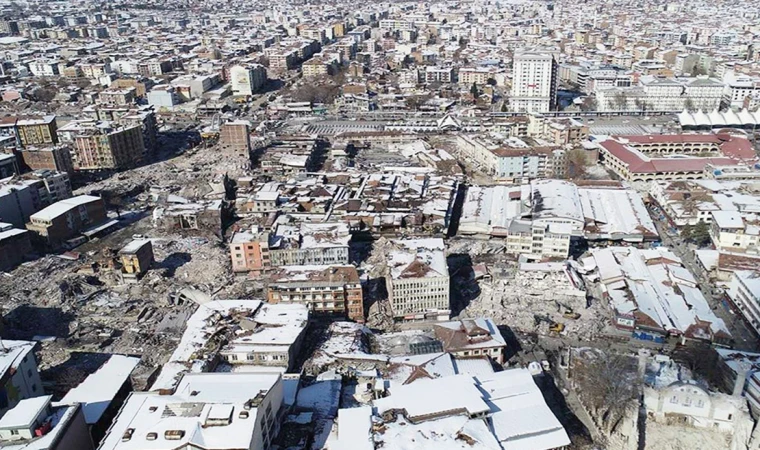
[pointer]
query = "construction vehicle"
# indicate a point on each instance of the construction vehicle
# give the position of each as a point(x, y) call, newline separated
point(554, 327)
point(569, 314)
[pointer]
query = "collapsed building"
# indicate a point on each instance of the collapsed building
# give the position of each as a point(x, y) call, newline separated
point(238, 332)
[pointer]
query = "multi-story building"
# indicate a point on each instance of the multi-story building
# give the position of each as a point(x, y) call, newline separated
point(19, 377)
point(37, 131)
point(439, 75)
point(417, 280)
point(42, 68)
point(8, 165)
point(36, 423)
point(515, 161)
point(55, 158)
point(245, 414)
point(247, 80)
point(534, 81)
point(108, 146)
point(116, 96)
point(472, 338)
point(539, 240)
point(745, 294)
point(738, 88)
point(235, 137)
point(163, 96)
point(731, 231)
point(311, 244)
point(66, 218)
point(663, 94)
point(14, 246)
point(324, 289)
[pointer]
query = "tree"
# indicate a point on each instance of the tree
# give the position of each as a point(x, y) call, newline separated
point(701, 234)
point(608, 384)
point(491, 82)
point(687, 232)
point(590, 104)
point(45, 95)
point(621, 100)
point(688, 104)
point(577, 163)
point(474, 91)
point(504, 107)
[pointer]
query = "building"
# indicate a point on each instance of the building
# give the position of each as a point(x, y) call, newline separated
point(498, 410)
point(417, 279)
point(136, 258)
point(19, 378)
point(651, 157)
point(534, 81)
point(653, 295)
point(36, 424)
point(108, 146)
point(119, 97)
point(249, 79)
point(235, 137)
point(732, 231)
point(472, 338)
point(324, 289)
point(744, 292)
point(514, 160)
point(538, 240)
point(270, 337)
point(219, 410)
point(692, 405)
point(14, 246)
point(67, 218)
point(163, 96)
point(103, 392)
point(663, 94)
point(37, 131)
point(53, 158)
point(20, 197)
point(8, 165)
point(308, 244)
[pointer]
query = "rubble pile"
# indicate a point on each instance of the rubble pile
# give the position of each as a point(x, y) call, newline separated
point(532, 301)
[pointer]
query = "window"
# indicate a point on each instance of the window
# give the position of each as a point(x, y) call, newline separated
point(14, 432)
point(674, 399)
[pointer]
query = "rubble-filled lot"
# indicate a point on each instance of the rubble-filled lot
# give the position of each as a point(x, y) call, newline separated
point(528, 298)
point(77, 307)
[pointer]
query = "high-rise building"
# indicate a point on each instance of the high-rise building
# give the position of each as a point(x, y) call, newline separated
point(534, 81)
point(246, 80)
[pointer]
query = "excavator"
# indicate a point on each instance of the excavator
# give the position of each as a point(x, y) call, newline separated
point(554, 327)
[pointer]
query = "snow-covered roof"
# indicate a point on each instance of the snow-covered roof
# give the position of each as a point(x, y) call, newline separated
point(100, 388)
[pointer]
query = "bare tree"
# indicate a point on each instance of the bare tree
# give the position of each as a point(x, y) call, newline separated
point(621, 100)
point(577, 164)
point(607, 384)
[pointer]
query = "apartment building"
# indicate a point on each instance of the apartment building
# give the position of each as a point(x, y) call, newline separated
point(324, 289)
point(19, 373)
point(37, 131)
point(514, 160)
point(118, 96)
point(308, 244)
point(417, 280)
point(744, 291)
point(248, 79)
point(235, 137)
point(539, 240)
point(14, 246)
point(245, 414)
point(439, 75)
point(108, 146)
point(469, 75)
point(534, 81)
point(53, 158)
point(35, 423)
point(67, 218)
point(731, 231)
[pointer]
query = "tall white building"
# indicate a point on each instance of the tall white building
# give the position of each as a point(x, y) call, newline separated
point(534, 81)
point(246, 80)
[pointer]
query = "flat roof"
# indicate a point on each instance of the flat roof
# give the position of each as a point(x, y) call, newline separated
point(23, 414)
point(62, 207)
point(98, 390)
